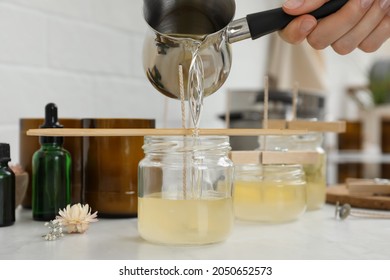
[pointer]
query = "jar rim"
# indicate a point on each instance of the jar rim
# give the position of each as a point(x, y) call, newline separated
point(273, 171)
point(186, 143)
point(181, 137)
point(310, 140)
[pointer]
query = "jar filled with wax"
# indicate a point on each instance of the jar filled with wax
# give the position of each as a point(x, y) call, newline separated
point(269, 193)
point(315, 171)
point(185, 190)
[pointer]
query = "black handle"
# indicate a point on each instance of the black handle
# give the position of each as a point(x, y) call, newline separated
point(266, 22)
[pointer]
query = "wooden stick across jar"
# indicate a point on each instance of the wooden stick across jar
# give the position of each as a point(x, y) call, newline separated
point(95, 132)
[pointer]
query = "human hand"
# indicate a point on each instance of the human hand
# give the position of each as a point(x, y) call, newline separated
point(363, 24)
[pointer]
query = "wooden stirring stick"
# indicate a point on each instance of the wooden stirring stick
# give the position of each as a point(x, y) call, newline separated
point(295, 101)
point(106, 132)
point(227, 113)
point(165, 114)
point(265, 112)
point(265, 104)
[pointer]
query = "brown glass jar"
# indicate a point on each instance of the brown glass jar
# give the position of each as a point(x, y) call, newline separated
point(352, 138)
point(110, 167)
point(350, 141)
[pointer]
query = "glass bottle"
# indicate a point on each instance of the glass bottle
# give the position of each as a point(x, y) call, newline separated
point(315, 173)
point(51, 165)
point(269, 193)
point(7, 188)
point(29, 145)
point(185, 190)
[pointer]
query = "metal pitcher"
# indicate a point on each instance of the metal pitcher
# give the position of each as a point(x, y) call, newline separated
point(180, 28)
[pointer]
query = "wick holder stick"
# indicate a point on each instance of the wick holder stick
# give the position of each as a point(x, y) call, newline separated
point(183, 124)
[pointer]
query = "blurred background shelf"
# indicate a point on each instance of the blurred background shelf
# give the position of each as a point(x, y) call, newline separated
point(357, 156)
point(363, 151)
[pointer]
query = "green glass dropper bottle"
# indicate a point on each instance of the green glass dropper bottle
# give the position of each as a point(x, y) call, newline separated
point(51, 165)
point(7, 188)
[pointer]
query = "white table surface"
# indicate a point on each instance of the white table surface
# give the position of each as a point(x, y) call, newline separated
point(316, 235)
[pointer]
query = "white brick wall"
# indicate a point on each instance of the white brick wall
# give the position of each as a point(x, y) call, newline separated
point(22, 36)
point(88, 48)
point(69, 8)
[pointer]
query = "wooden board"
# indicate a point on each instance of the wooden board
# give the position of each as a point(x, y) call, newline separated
point(341, 194)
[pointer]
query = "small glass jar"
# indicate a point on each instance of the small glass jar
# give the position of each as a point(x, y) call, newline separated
point(269, 193)
point(315, 172)
point(185, 190)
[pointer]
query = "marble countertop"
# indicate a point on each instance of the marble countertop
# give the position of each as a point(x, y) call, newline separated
point(316, 235)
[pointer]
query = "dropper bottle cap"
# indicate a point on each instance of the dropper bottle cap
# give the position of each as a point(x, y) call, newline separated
point(5, 152)
point(51, 121)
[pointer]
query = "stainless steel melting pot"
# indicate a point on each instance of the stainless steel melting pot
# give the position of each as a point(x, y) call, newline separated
point(179, 27)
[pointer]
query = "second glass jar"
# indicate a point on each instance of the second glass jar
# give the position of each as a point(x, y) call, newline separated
point(315, 172)
point(269, 193)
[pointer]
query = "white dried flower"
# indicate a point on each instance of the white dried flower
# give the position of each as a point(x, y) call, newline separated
point(76, 218)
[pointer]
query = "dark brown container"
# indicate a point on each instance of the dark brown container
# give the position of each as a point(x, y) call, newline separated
point(385, 145)
point(349, 170)
point(29, 144)
point(352, 138)
point(352, 141)
point(110, 167)
point(385, 171)
point(385, 140)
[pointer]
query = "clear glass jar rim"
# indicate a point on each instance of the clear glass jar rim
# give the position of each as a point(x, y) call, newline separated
point(273, 167)
point(306, 141)
point(181, 144)
point(273, 171)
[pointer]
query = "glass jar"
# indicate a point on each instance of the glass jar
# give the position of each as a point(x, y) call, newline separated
point(315, 172)
point(185, 190)
point(110, 167)
point(269, 193)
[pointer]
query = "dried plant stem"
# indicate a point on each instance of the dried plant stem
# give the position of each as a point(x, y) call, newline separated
point(265, 105)
point(295, 101)
point(265, 111)
point(165, 112)
point(227, 114)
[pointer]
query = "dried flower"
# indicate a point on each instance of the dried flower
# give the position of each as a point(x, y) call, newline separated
point(76, 218)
